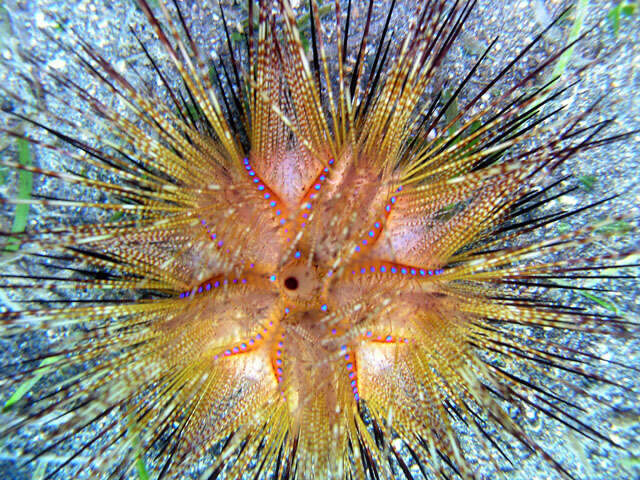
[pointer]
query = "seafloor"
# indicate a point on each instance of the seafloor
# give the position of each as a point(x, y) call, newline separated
point(598, 173)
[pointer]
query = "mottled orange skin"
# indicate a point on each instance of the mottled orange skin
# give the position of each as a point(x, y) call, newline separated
point(309, 251)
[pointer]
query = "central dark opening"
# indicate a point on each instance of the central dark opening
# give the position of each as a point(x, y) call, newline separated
point(291, 283)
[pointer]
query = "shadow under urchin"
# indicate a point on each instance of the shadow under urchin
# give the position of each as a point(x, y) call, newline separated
point(309, 258)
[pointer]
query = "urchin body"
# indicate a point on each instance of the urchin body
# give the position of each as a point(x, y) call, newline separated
point(328, 254)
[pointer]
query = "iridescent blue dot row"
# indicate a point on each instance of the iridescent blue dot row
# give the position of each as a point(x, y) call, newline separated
point(377, 226)
point(209, 285)
point(392, 200)
point(279, 370)
point(244, 345)
point(272, 201)
point(402, 270)
point(211, 234)
point(261, 187)
point(351, 373)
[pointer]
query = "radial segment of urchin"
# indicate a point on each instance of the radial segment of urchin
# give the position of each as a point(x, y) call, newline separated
point(322, 261)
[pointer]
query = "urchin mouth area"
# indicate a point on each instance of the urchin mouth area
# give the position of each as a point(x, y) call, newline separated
point(300, 284)
point(291, 283)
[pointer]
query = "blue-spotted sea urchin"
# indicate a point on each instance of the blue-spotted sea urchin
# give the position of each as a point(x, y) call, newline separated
point(303, 258)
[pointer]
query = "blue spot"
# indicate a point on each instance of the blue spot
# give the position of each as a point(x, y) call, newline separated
point(286, 310)
point(357, 248)
point(422, 272)
point(216, 285)
point(372, 233)
point(203, 222)
point(322, 178)
point(251, 173)
point(403, 271)
point(282, 221)
point(297, 255)
point(317, 186)
point(349, 366)
point(308, 206)
point(305, 215)
point(331, 161)
point(413, 271)
point(256, 180)
point(246, 161)
point(266, 195)
point(278, 212)
point(220, 243)
point(343, 348)
point(260, 187)
point(248, 168)
point(383, 269)
point(244, 280)
point(324, 307)
point(373, 269)
point(213, 237)
point(272, 278)
point(394, 270)
point(353, 383)
point(388, 208)
point(326, 170)
point(272, 203)
point(389, 338)
point(208, 286)
point(400, 188)
point(243, 346)
point(377, 224)
point(362, 270)
point(182, 295)
point(364, 242)
point(393, 199)
point(430, 272)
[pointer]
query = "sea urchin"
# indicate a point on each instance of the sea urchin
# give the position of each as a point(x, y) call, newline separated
point(302, 256)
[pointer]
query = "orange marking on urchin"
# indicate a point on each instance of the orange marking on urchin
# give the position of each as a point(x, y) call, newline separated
point(312, 193)
point(270, 197)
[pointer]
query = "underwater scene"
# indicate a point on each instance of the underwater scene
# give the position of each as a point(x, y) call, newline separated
point(319, 239)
